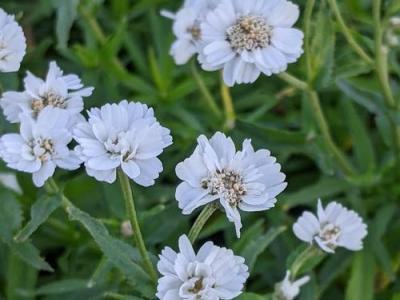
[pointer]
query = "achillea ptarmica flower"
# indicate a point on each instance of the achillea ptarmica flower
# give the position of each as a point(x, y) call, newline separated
point(247, 180)
point(65, 92)
point(245, 38)
point(334, 226)
point(41, 146)
point(12, 43)
point(125, 135)
point(287, 289)
point(213, 273)
point(187, 29)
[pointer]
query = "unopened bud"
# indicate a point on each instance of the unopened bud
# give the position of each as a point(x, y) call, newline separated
point(126, 229)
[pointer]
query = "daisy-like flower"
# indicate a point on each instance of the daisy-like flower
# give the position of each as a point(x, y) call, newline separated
point(187, 29)
point(213, 273)
point(57, 90)
point(125, 135)
point(12, 43)
point(334, 226)
point(248, 180)
point(287, 289)
point(41, 146)
point(245, 38)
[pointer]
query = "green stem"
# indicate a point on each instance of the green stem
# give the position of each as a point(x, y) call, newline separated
point(346, 32)
point(137, 234)
point(302, 258)
point(314, 99)
point(201, 220)
point(205, 91)
point(230, 115)
point(326, 135)
point(307, 40)
point(381, 61)
point(297, 83)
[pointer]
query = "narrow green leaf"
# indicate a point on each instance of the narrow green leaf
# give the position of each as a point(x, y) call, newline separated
point(66, 15)
point(40, 212)
point(251, 296)
point(362, 144)
point(110, 246)
point(61, 287)
point(30, 254)
point(361, 283)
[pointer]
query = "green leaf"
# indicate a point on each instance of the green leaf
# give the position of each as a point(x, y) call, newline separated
point(110, 246)
point(361, 283)
point(10, 220)
point(40, 212)
point(304, 259)
point(362, 144)
point(66, 15)
point(324, 187)
point(258, 244)
point(61, 287)
point(251, 296)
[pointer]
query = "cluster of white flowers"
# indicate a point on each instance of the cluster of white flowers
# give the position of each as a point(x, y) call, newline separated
point(243, 38)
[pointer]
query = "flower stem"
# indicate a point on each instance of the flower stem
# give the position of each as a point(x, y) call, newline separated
point(205, 91)
point(297, 83)
point(201, 220)
point(308, 253)
point(137, 234)
point(346, 32)
point(307, 32)
point(326, 135)
point(230, 115)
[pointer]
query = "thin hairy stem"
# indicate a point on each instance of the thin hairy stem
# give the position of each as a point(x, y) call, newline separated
point(137, 234)
point(230, 115)
point(201, 220)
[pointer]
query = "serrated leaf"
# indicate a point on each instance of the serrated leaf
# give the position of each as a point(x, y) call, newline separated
point(40, 212)
point(258, 244)
point(361, 283)
point(30, 254)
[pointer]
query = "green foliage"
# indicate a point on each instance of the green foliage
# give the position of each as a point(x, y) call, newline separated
point(51, 249)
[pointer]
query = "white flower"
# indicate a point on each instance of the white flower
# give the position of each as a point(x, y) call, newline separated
point(61, 91)
point(186, 28)
point(245, 180)
point(213, 273)
point(245, 38)
point(125, 135)
point(41, 146)
point(334, 226)
point(12, 43)
point(287, 289)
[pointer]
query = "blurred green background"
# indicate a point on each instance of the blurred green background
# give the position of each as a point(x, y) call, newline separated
point(121, 48)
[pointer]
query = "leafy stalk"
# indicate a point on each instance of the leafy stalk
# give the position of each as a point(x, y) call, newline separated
point(137, 234)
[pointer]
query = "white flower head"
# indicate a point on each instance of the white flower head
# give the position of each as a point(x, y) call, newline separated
point(213, 273)
point(247, 180)
point(334, 226)
point(289, 290)
point(187, 29)
point(65, 92)
point(125, 135)
point(12, 43)
point(41, 146)
point(245, 38)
